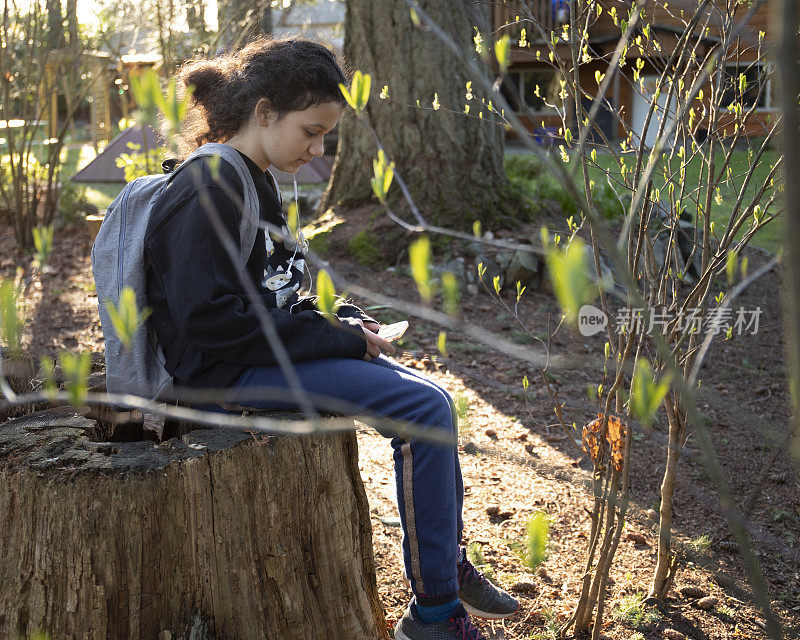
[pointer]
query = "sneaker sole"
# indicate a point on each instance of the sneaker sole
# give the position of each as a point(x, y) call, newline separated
point(484, 615)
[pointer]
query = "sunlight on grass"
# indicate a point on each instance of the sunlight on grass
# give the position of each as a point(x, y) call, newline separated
point(632, 611)
point(461, 403)
point(100, 194)
point(74, 158)
point(549, 630)
point(700, 543)
point(768, 238)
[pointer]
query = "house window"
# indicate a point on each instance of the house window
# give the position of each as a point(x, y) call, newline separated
point(774, 97)
point(757, 91)
point(510, 90)
point(519, 88)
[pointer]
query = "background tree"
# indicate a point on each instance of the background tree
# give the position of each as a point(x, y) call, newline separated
point(451, 161)
point(239, 20)
point(196, 19)
point(166, 14)
point(55, 25)
point(30, 169)
point(72, 24)
point(72, 71)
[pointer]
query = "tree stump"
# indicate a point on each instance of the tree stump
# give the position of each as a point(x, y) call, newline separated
point(217, 534)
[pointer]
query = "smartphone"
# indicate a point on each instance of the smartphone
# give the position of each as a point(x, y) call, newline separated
point(391, 332)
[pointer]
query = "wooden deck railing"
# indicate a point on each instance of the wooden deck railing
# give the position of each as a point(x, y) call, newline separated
point(512, 16)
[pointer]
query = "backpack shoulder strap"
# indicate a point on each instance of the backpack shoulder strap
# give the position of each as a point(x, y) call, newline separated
point(248, 226)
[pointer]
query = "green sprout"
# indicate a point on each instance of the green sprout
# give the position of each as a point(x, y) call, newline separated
point(126, 317)
point(420, 255)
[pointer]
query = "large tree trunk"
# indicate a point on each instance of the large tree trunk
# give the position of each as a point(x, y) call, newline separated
point(55, 25)
point(71, 79)
point(72, 25)
point(453, 163)
point(223, 532)
point(196, 19)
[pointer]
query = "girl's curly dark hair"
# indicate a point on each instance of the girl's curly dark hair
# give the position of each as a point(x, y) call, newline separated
point(293, 74)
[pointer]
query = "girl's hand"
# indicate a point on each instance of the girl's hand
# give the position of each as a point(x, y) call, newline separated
point(372, 326)
point(375, 344)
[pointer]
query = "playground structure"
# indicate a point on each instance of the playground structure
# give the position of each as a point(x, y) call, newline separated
point(101, 66)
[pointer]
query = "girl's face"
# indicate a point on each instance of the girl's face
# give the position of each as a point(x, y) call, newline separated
point(297, 137)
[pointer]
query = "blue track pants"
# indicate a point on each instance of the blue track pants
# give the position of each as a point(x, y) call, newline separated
point(428, 475)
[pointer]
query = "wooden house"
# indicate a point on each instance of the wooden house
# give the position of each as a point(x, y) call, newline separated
point(653, 44)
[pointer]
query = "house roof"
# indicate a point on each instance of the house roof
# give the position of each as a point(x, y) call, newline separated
point(104, 167)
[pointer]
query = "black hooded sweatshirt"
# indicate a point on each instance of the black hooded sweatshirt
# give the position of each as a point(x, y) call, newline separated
point(202, 316)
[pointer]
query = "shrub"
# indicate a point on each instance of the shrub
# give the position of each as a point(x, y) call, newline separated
point(362, 247)
point(35, 174)
point(320, 243)
point(632, 611)
point(522, 167)
point(72, 202)
point(527, 176)
point(138, 164)
point(27, 196)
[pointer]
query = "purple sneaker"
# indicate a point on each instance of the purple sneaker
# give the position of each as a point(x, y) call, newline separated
point(479, 596)
point(457, 627)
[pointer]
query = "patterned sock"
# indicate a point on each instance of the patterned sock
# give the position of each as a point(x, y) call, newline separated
point(438, 612)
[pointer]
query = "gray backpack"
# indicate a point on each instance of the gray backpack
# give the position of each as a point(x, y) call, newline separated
point(118, 262)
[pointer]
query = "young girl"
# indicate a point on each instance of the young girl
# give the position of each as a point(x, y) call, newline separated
point(273, 102)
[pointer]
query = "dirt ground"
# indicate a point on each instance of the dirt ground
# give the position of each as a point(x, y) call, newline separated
point(531, 466)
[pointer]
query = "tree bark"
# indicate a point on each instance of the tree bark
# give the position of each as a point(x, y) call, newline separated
point(70, 81)
point(219, 534)
point(196, 19)
point(452, 163)
point(666, 564)
point(240, 20)
point(55, 25)
point(72, 25)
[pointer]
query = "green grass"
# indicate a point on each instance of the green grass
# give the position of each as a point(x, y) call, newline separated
point(694, 547)
point(632, 611)
point(475, 556)
point(99, 194)
point(549, 630)
point(520, 337)
point(468, 348)
point(537, 184)
point(700, 543)
point(465, 427)
point(320, 243)
point(768, 238)
point(726, 612)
